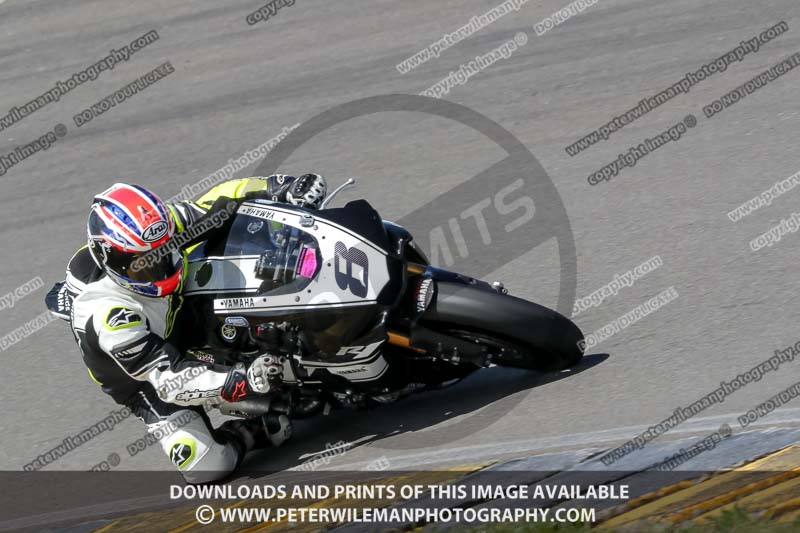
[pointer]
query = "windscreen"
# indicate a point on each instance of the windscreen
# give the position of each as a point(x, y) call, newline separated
point(287, 255)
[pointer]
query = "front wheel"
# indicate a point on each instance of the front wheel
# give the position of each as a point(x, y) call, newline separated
point(519, 333)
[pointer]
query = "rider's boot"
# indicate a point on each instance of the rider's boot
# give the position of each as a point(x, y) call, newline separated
point(270, 430)
point(278, 428)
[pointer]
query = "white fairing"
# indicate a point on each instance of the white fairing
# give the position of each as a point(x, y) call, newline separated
point(325, 291)
point(229, 274)
point(365, 363)
point(360, 286)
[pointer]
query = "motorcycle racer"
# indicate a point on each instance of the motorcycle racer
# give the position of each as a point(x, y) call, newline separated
point(122, 297)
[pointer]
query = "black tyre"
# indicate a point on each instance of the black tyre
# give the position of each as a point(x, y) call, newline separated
point(543, 339)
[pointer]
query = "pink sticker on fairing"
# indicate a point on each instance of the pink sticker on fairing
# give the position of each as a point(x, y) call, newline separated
point(308, 263)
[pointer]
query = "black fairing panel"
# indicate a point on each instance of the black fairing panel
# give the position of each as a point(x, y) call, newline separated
point(360, 217)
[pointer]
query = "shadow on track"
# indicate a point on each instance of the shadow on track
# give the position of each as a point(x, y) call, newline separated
point(484, 397)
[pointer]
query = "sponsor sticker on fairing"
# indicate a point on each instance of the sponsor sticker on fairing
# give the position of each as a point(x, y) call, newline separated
point(235, 303)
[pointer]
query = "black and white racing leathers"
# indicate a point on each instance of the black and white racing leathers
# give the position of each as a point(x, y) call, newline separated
point(125, 342)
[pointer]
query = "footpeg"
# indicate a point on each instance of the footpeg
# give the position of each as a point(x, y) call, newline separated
point(499, 287)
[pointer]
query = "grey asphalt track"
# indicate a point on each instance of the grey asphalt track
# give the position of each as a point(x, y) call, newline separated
point(235, 86)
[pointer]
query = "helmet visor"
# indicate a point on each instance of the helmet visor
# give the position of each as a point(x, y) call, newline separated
point(145, 267)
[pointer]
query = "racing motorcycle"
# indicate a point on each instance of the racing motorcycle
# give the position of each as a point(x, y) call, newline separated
point(355, 309)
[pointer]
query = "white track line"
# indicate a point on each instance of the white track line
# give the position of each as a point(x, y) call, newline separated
point(596, 439)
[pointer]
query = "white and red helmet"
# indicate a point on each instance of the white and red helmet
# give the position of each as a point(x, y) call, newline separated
point(128, 226)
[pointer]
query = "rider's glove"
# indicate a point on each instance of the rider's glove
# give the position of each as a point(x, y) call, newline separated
point(308, 190)
point(265, 372)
